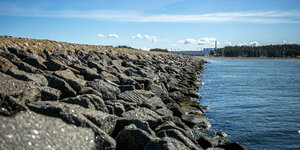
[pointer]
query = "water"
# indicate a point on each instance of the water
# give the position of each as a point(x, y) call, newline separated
point(256, 102)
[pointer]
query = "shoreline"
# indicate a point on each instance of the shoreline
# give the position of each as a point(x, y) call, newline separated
point(268, 58)
point(127, 98)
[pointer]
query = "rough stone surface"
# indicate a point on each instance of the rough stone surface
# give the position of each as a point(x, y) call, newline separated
point(142, 98)
point(25, 91)
point(132, 138)
point(159, 91)
point(179, 136)
point(196, 120)
point(234, 145)
point(77, 115)
point(10, 106)
point(70, 78)
point(171, 125)
point(22, 75)
point(107, 90)
point(89, 74)
point(29, 130)
point(117, 107)
point(48, 93)
point(123, 122)
point(89, 90)
point(61, 85)
point(143, 114)
point(35, 61)
point(206, 142)
point(90, 101)
point(165, 143)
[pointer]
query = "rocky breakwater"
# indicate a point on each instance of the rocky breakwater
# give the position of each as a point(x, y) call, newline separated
point(92, 99)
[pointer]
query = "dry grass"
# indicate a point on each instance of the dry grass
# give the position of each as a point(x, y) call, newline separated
point(39, 45)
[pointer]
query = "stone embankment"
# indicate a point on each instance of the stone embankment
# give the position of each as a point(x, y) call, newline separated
point(95, 97)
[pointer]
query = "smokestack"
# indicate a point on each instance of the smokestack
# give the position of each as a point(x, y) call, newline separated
point(216, 45)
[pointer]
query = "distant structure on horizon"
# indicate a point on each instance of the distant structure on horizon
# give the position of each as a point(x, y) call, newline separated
point(216, 45)
point(201, 52)
point(206, 51)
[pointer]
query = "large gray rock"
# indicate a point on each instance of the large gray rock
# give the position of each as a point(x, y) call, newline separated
point(34, 131)
point(35, 61)
point(18, 52)
point(175, 108)
point(108, 91)
point(61, 85)
point(171, 125)
point(77, 115)
point(89, 90)
point(7, 67)
point(164, 112)
point(25, 91)
point(144, 114)
point(132, 137)
point(88, 73)
point(30, 58)
point(196, 120)
point(110, 77)
point(160, 91)
point(55, 65)
point(142, 98)
point(179, 136)
point(25, 76)
point(70, 78)
point(206, 142)
point(98, 66)
point(123, 122)
point(126, 80)
point(48, 93)
point(234, 145)
point(90, 101)
point(10, 106)
point(20, 64)
point(117, 65)
point(133, 96)
point(117, 108)
point(127, 105)
point(165, 143)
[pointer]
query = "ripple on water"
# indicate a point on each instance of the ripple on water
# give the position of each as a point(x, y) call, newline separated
point(256, 102)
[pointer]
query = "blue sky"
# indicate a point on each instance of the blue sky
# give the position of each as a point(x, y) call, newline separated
point(171, 24)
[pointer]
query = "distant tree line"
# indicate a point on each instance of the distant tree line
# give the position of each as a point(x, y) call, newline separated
point(285, 50)
point(159, 50)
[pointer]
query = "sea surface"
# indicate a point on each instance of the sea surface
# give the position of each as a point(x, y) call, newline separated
point(256, 102)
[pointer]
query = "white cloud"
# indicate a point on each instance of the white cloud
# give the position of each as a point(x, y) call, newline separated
point(190, 41)
point(206, 40)
point(244, 43)
point(202, 41)
point(151, 38)
point(181, 41)
point(145, 48)
point(166, 40)
point(100, 35)
point(254, 43)
point(113, 35)
point(138, 36)
point(271, 16)
point(228, 43)
point(284, 41)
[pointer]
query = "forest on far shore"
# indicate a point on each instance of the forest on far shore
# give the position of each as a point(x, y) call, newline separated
point(285, 50)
